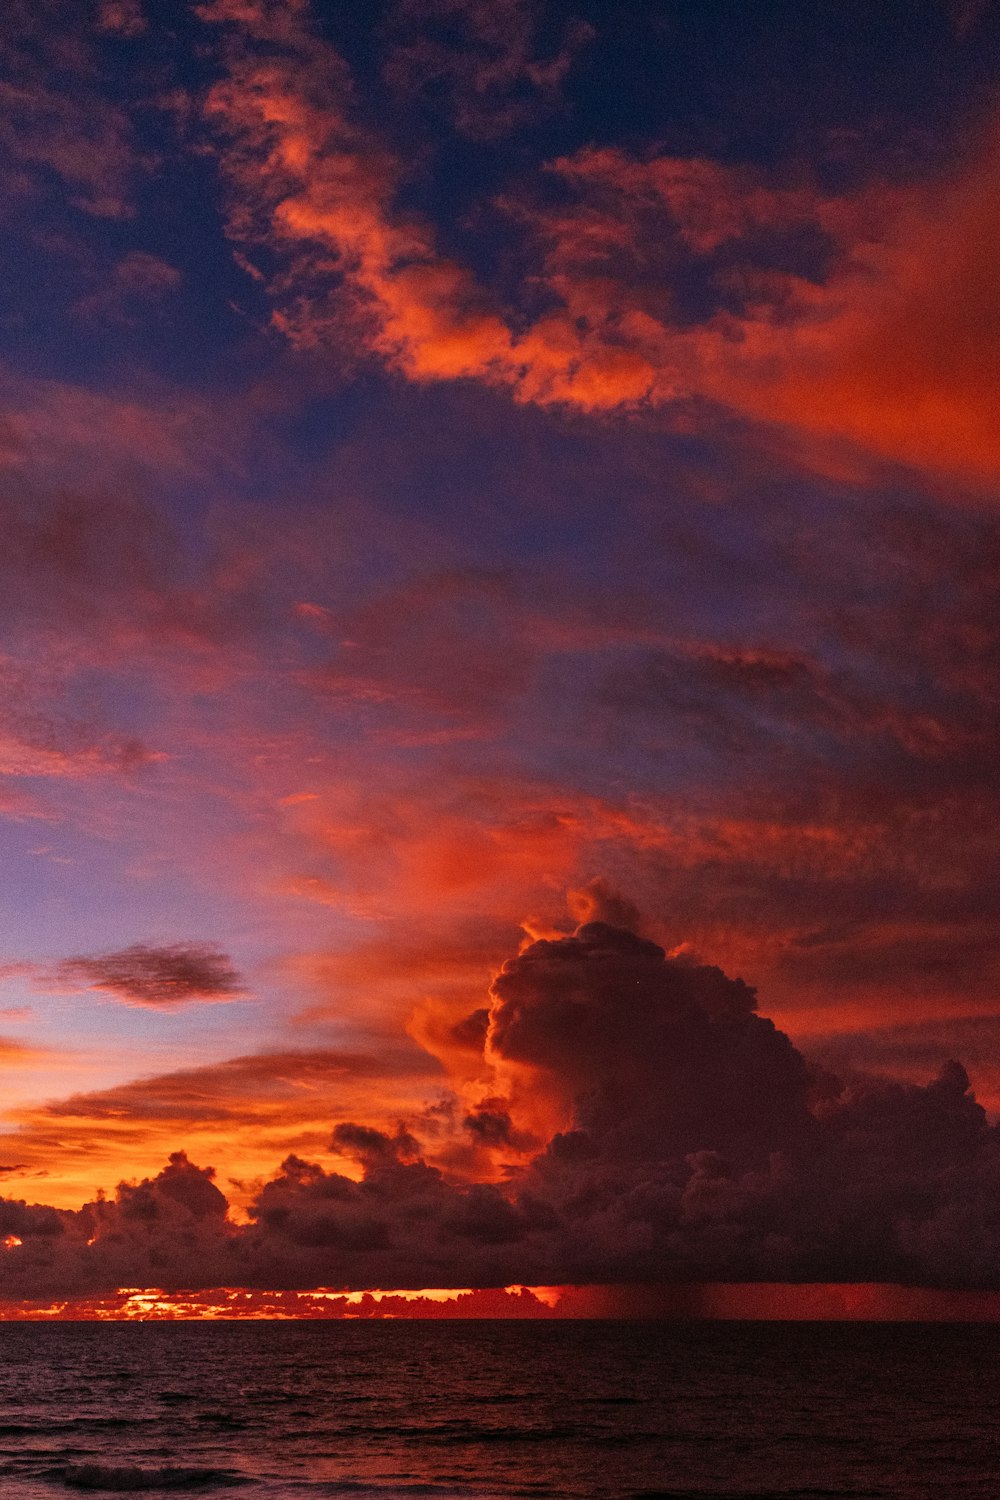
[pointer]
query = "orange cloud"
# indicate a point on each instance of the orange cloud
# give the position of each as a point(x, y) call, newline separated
point(247, 1111)
point(882, 341)
point(900, 358)
point(448, 869)
point(888, 347)
point(305, 176)
point(718, 1301)
point(18, 1054)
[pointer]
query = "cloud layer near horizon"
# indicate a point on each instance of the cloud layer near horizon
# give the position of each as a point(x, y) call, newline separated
point(695, 1144)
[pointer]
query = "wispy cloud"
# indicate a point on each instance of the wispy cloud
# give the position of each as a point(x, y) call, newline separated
point(669, 279)
point(58, 124)
point(482, 59)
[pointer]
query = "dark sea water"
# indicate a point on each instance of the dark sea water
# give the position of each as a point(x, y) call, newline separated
point(503, 1409)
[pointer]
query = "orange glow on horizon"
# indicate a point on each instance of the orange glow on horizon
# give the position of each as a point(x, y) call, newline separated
point(705, 1302)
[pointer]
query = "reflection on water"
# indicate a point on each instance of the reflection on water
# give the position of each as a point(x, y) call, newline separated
point(499, 1409)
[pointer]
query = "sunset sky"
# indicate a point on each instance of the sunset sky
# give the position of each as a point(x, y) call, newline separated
point(472, 470)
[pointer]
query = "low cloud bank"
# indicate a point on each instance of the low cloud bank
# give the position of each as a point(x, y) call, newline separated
point(701, 1146)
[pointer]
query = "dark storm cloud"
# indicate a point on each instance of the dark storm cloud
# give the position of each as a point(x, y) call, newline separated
point(648, 1051)
point(154, 1225)
point(159, 978)
point(490, 1124)
point(373, 1148)
point(916, 1048)
point(698, 1145)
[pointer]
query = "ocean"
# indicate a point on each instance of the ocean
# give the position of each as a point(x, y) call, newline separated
point(494, 1410)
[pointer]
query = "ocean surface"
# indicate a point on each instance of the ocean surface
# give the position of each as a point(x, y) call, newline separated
point(492, 1410)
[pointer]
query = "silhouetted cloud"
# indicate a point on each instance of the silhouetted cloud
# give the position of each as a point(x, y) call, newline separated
point(697, 1145)
point(645, 1051)
point(160, 978)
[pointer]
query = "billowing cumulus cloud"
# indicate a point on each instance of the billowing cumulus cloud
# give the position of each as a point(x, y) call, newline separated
point(645, 1051)
point(245, 1112)
point(158, 977)
point(697, 1144)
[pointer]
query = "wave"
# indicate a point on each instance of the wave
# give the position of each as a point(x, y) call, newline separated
point(127, 1479)
point(225, 1419)
point(73, 1424)
point(442, 1433)
point(368, 1489)
point(769, 1494)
